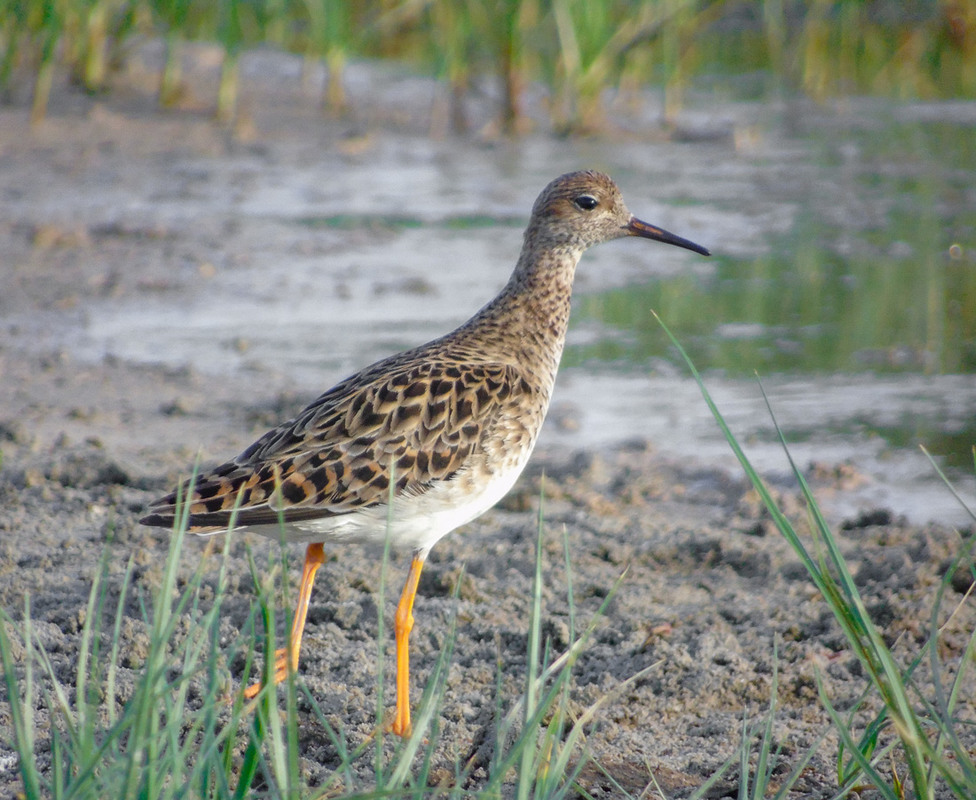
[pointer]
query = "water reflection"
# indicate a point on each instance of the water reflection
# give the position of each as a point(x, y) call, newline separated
point(813, 312)
point(875, 275)
point(844, 273)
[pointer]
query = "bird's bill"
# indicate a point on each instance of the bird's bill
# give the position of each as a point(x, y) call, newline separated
point(638, 228)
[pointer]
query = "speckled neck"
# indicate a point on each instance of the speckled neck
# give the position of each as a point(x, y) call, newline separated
point(527, 322)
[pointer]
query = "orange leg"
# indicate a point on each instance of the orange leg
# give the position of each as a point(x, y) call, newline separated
point(287, 658)
point(402, 627)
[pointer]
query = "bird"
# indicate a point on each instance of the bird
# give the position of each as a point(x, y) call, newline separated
point(424, 441)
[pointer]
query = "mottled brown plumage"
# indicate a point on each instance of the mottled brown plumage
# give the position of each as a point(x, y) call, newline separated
point(413, 418)
point(451, 423)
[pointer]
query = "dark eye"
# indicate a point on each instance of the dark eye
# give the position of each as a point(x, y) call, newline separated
point(587, 202)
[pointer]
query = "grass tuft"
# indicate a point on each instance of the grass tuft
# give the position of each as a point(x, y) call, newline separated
point(925, 730)
point(185, 730)
point(581, 51)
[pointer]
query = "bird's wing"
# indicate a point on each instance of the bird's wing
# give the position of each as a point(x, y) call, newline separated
point(419, 422)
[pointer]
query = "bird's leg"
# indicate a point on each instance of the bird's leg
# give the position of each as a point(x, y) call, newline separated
point(287, 657)
point(402, 628)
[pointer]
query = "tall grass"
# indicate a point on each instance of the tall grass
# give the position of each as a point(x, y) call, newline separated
point(920, 719)
point(330, 38)
point(171, 17)
point(186, 732)
point(579, 49)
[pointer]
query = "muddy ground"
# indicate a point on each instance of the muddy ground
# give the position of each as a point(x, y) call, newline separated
point(87, 443)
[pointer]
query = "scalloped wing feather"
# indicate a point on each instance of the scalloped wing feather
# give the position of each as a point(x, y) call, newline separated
point(420, 422)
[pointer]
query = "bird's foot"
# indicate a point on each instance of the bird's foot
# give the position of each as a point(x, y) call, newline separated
point(280, 673)
point(400, 725)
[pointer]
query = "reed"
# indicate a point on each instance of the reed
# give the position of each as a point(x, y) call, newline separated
point(329, 38)
point(918, 720)
point(171, 18)
point(580, 50)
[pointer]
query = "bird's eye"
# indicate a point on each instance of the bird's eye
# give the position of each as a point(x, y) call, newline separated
point(587, 202)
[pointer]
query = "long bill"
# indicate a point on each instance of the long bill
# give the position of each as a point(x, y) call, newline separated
point(637, 227)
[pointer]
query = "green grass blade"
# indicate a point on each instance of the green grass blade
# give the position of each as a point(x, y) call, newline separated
point(952, 489)
point(113, 664)
point(21, 711)
point(866, 766)
point(837, 586)
point(531, 719)
point(865, 638)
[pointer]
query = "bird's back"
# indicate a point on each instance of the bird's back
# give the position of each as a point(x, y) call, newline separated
point(430, 429)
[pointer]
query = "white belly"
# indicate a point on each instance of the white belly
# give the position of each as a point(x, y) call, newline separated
point(416, 522)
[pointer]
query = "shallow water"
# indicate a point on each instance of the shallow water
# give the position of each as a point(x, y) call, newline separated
point(844, 272)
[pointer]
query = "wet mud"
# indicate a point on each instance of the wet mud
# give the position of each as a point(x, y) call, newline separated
point(86, 442)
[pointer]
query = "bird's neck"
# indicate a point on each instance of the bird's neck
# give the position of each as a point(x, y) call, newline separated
point(529, 317)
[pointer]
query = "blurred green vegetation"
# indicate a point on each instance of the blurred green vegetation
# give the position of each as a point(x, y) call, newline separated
point(577, 48)
point(807, 312)
point(877, 273)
